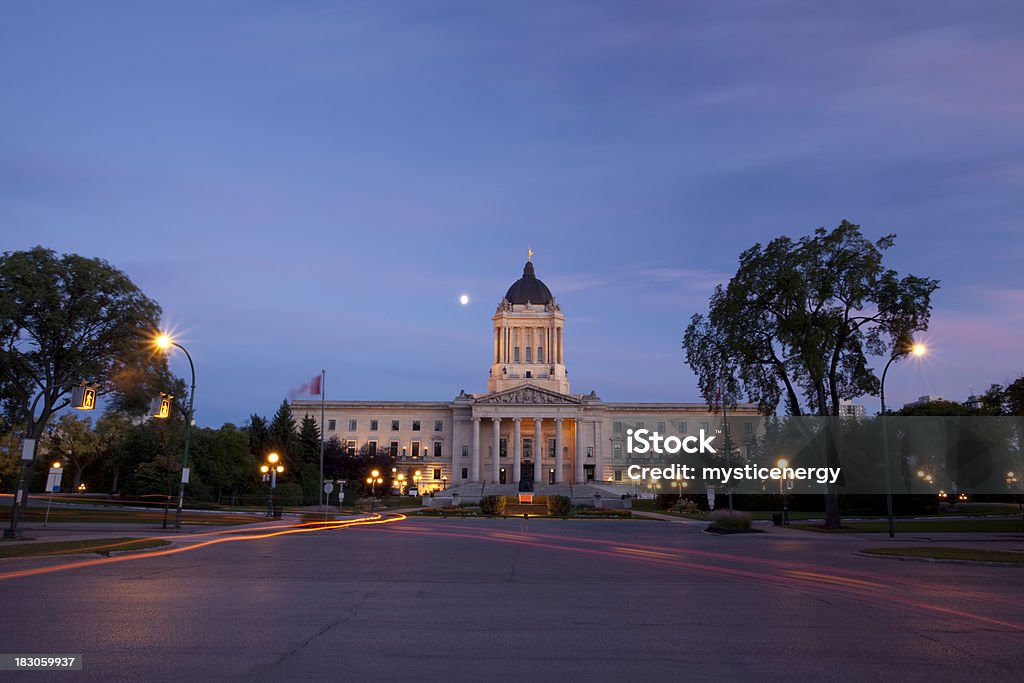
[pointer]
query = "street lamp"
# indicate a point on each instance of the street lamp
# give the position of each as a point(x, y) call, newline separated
point(164, 342)
point(782, 464)
point(918, 350)
point(270, 471)
point(373, 480)
point(1011, 479)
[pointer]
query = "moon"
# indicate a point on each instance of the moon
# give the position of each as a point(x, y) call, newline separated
point(464, 299)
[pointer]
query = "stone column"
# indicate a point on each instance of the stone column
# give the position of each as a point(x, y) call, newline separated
point(517, 456)
point(558, 451)
point(474, 465)
point(581, 453)
point(538, 447)
point(452, 479)
point(496, 465)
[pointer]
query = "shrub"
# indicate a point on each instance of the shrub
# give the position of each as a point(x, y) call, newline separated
point(559, 506)
point(492, 505)
point(731, 520)
point(288, 494)
point(685, 506)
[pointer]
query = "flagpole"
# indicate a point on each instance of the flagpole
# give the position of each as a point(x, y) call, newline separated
point(323, 392)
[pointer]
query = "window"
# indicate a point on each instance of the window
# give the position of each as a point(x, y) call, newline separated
point(394, 425)
point(529, 354)
point(529, 374)
point(465, 473)
point(352, 425)
point(371, 448)
point(704, 426)
point(415, 449)
point(373, 425)
point(465, 453)
point(415, 425)
point(437, 473)
point(438, 425)
point(748, 427)
point(515, 355)
point(616, 427)
point(332, 425)
point(682, 427)
point(661, 427)
point(503, 448)
point(551, 448)
point(617, 451)
point(528, 449)
point(640, 424)
point(618, 475)
point(590, 451)
point(393, 449)
point(437, 449)
point(540, 354)
point(350, 447)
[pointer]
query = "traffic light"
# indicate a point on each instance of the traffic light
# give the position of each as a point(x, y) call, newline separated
point(160, 408)
point(83, 398)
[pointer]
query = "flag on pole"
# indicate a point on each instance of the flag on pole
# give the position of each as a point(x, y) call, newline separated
point(314, 385)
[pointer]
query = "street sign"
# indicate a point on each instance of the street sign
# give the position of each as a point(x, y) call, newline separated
point(184, 475)
point(328, 488)
point(28, 450)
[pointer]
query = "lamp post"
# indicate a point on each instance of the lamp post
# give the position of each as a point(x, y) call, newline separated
point(917, 350)
point(1012, 479)
point(373, 480)
point(270, 471)
point(164, 342)
point(782, 464)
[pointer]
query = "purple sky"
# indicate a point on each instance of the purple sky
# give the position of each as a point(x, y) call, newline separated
point(307, 185)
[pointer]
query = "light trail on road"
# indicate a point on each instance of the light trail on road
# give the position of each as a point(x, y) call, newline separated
point(238, 535)
point(884, 591)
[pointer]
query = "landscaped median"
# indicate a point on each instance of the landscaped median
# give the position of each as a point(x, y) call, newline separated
point(938, 526)
point(959, 554)
point(510, 506)
point(101, 546)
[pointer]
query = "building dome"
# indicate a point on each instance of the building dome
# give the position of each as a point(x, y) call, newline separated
point(528, 289)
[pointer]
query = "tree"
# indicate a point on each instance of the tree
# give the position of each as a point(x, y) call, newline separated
point(65, 320)
point(76, 442)
point(798, 321)
point(282, 437)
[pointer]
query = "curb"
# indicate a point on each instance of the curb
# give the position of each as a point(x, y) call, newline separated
point(935, 560)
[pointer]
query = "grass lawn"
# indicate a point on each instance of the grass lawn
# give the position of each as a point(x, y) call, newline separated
point(102, 546)
point(978, 555)
point(937, 526)
point(115, 515)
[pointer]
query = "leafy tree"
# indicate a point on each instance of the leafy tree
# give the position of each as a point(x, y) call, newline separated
point(309, 460)
point(798, 321)
point(75, 442)
point(65, 320)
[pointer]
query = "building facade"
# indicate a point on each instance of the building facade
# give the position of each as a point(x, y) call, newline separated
point(527, 425)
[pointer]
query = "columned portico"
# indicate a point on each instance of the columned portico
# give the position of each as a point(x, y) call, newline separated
point(516, 450)
point(474, 466)
point(496, 451)
point(580, 452)
point(558, 451)
point(538, 447)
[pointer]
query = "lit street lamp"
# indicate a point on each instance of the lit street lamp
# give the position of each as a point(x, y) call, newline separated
point(782, 464)
point(373, 480)
point(163, 342)
point(270, 471)
point(917, 350)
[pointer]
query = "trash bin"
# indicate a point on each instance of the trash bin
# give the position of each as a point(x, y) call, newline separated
point(777, 519)
point(278, 511)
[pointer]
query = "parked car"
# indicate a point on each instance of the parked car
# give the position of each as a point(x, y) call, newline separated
point(414, 491)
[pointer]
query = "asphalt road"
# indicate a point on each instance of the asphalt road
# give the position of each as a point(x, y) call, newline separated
point(487, 600)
